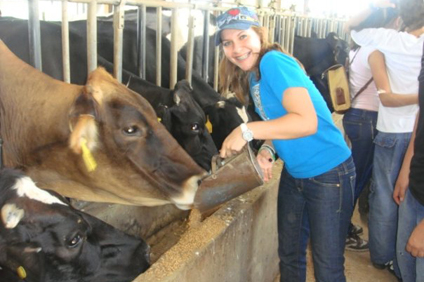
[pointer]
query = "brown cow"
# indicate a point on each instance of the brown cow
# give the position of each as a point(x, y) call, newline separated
point(45, 122)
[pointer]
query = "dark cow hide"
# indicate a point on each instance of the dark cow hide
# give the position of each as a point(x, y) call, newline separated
point(44, 239)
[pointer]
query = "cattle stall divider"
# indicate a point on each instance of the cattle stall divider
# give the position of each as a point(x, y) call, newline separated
point(283, 25)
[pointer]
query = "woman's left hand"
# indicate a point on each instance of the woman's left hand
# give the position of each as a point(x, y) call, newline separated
point(232, 144)
point(266, 163)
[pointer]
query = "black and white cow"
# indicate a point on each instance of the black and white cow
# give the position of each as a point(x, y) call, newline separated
point(44, 239)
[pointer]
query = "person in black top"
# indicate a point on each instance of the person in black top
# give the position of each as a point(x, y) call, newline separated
point(410, 235)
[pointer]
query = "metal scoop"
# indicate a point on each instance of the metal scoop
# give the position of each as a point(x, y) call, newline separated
point(229, 178)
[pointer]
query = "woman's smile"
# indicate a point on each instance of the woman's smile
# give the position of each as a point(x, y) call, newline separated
point(241, 47)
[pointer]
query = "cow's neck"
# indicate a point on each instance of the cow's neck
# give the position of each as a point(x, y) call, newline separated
point(34, 110)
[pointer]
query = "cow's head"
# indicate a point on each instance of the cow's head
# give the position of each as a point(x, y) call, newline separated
point(100, 142)
point(119, 129)
point(225, 115)
point(42, 238)
point(187, 123)
point(179, 113)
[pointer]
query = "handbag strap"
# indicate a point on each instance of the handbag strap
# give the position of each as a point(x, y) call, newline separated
point(362, 89)
point(366, 84)
point(354, 56)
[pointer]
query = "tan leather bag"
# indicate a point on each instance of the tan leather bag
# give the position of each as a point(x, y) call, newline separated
point(338, 85)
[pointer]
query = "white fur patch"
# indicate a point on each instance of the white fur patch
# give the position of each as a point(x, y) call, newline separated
point(243, 114)
point(11, 215)
point(185, 201)
point(25, 187)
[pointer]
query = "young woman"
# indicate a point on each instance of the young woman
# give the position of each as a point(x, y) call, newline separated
point(317, 182)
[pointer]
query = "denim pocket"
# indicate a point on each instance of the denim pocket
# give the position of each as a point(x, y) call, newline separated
point(385, 141)
point(353, 130)
point(328, 179)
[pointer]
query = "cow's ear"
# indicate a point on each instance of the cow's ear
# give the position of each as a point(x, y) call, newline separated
point(182, 91)
point(82, 121)
point(11, 215)
point(164, 116)
point(25, 260)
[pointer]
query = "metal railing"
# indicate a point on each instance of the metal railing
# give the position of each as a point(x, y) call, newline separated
point(283, 27)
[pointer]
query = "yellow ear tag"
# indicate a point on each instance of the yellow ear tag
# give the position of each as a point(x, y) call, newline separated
point(21, 272)
point(208, 124)
point(88, 158)
point(159, 119)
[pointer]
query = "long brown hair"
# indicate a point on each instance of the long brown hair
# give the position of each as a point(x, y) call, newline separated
point(234, 79)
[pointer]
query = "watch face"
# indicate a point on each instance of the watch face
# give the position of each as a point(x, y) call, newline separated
point(248, 135)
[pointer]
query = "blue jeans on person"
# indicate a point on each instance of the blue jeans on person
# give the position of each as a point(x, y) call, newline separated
point(360, 126)
point(321, 207)
point(411, 212)
point(389, 152)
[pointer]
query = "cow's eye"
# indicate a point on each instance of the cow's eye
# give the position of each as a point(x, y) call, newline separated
point(195, 127)
point(131, 130)
point(75, 241)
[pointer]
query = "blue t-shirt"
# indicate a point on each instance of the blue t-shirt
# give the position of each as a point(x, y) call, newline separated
point(306, 156)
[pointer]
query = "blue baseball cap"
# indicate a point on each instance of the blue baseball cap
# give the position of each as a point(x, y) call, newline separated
point(236, 18)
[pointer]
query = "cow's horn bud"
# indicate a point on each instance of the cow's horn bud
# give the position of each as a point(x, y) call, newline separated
point(11, 215)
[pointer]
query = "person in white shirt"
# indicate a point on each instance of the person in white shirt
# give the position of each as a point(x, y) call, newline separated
point(395, 122)
point(366, 69)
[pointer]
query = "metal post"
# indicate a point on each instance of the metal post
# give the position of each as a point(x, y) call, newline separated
point(92, 36)
point(34, 35)
point(141, 42)
point(159, 46)
point(65, 43)
point(205, 57)
point(174, 51)
point(118, 32)
point(190, 48)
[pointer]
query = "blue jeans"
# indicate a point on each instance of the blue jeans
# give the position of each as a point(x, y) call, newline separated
point(411, 212)
point(360, 126)
point(389, 152)
point(321, 207)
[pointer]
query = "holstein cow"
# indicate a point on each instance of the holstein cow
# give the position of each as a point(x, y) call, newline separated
point(43, 239)
point(182, 116)
point(187, 121)
point(99, 142)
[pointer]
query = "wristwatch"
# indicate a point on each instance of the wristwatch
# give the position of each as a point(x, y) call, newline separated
point(246, 132)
